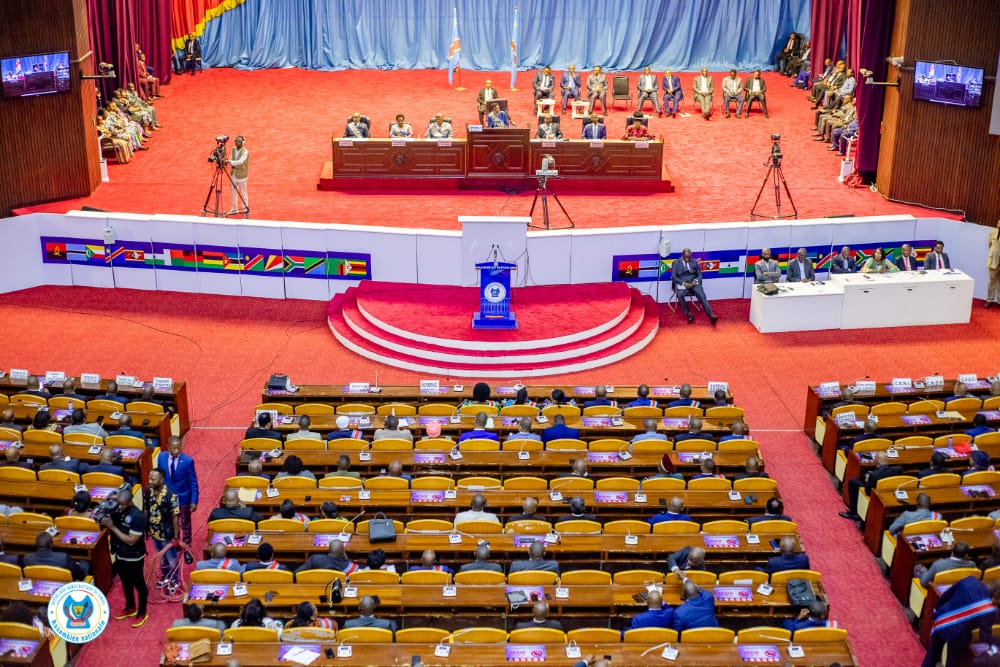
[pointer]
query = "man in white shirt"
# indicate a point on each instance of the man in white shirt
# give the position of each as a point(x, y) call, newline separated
point(704, 91)
point(303, 433)
point(597, 89)
point(732, 91)
point(239, 161)
point(993, 265)
point(476, 512)
point(486, 94)
point(647, 90)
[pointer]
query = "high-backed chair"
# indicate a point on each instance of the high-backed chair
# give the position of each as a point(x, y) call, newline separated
point(251, 634)
point(620, 90)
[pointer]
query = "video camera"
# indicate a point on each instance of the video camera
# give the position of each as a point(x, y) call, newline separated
point(109, 506)
point(219, 154)
point(776, 150)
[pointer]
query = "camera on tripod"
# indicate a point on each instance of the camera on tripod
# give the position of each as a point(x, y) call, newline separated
point(109, 506)
point(219, 154)
point(776, 150)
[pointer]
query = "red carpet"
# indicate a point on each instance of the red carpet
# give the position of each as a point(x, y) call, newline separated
point(226, 347)
point(289, 115)
point(561, 329)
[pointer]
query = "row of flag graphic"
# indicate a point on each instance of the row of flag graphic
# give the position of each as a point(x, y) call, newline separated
point(180, 257)
point(455, 49)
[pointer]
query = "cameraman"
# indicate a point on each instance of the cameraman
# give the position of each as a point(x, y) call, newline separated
point(128, 544)
point(239, 160)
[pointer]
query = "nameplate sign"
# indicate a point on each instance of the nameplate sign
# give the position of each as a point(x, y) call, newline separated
point(864, 386)
point(968, 377)
point(597, 144)
point(444, 143)
point(359, 387)
point(716, 386)
point(53, 377)
point(902, 382)
point(399, 142)
point(430, 386)
point(642, 144)
point(90, 378)
point(163, 385)
point(934, 380)
point(18, 374)
point(125, 380)
point(475, 128)
point(346, 143)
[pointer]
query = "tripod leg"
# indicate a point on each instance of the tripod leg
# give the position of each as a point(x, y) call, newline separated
point(788, 193)
point(763, 185)
point(563, 208)
point(534, 201)
point(212, 186)
point(545, 210)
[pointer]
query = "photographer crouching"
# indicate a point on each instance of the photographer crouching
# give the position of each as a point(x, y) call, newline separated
point(127, 525)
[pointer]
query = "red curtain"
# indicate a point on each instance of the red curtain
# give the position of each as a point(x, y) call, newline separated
point(154, 32)
point(113, 37)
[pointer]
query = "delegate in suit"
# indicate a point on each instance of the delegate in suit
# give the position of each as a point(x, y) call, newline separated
point(844, 262)
point(544, 84)
point(597, 89)
point(182, 479)
point(686, 278)
point(704, 91)
point(938, 259)
point(570, 84)
point(755, 88)
point(672, 93)
point(993, 265)
point(766, 269)
point(647, 89)
point(595, 129)
point(486, 94)
point(800, 269)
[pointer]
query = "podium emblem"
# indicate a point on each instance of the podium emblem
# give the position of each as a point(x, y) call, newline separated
point(495, 292)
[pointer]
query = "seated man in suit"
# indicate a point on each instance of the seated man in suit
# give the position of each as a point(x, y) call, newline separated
point(906, 261)
point(69, 391)
point(789, 559)
point(356, 128)
point(922, 513)
point(694, 432)
point(844, 262)
point(497, 118)
point(59, 461)
point(44, 555)
point(366, 619)
point(732, 91)
point(642, 399)
point(595, 129)
point(686, 558)
point(697, 609)
point(539, 618)
point(33, 387)
point(686, 278)
point(391, 430)
point(220, 560)
point(979, 426)
point(650, 433)
point(708, 469)
point(304, 432)
point(937, 259)
point(111, 394)
point(658, 614)
point(111, 464)
point(544, 84)
point(597, 89)
point(536, 560)
point(774, 510)
point(751, 470)
point(600, 398)
point(684, 398)
point(766, 269)
point(674, 512)
point(800, 269)
point(125, 428)
point(672, 93)
point(335, 558)
point(486, 94)
point(577, 511)
point(704, 91)
point(549, 130)
point(439, 129)
point(881, 470)
point(570, 84)
point(401, 129)
point(7, 420)
point(523, 432)
point(429, 562)
point(792, 48)
point(263, 429)
point(529, 511)
point(233, 508)
point(959, 558)
point(479, 429)
point(755, 88)
point(79, 425)
point(737, 431)
point(938, 465)
point(647, 89)
point(482, 561)
point(476, 512)
point(812, 617)
point(344, 430)
point(265, 560)
point(559, 430)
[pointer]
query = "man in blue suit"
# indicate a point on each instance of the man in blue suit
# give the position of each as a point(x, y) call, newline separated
point(570, 84)
point(559, 430)
point(813, 617)
point(594, 129)
point(697, 610)
point(844, 262)
point(658, 615)
point(182, 480)
point(672, 93)
point(685, 274)
point(498, 118)
point(788, 560)
point(800, 269)
point(906, 260)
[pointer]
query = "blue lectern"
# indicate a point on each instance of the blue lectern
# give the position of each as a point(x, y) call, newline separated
point(494, 296)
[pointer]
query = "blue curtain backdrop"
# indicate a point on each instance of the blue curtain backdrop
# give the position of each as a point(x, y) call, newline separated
point(414, 34)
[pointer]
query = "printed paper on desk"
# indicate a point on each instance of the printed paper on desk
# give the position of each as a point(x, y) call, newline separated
point(449, 591)
point(163, 385)
point(304, 654)
point(272, 492)
point(239, 589)
point(364, 494)
point(224, 649)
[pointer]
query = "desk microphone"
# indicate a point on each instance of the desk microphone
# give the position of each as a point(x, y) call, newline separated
point(655, 648)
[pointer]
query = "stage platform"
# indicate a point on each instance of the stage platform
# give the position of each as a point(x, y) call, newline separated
point(428, 328)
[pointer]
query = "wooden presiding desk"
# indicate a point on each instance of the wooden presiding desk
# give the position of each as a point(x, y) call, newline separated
point(177, 399)
point(603, 551)
point(547, 464)
point(487, 604)
point(403, 505)
point(818, 403)
point(91, 547)
point(403, 393)
point(951, 501)
point(255, 654)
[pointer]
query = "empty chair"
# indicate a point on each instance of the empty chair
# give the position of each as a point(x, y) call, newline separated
point(925, 407)
point(193, 633)
point(585, 578)
point(480, 527)
point(643, 411)
point(891, 408)
point(386, 482)
point(237, 526)
point(420, 635)
point(338, 482)
point(479, 483)
point(21, 518)
point(781, 578)
point(251, 634)
point(9, 570)
point(608, 445)
point(433, 482)
point(56, 475)
point(742, 578)
point(940, 480)
point(324, 577)
point(313, 409)
point(303, 634)
point(914, 441)
point(82, 439)
point(362, 527)
point(578, 527)
point(537, 636)
point(15, 474)
point(398, 409)
point(724, 413)
point(676, 527)
point(294, 482)
point(478, 635)
point(773, 526)
point(572, 484)
point(709, 484)
point(102, 479)
point(347, 444)
point(355, 409)
point(519, 411)
point(820, 635)
point(330, 526)
point(643, 577)
point(259, 444)
point(436, 410)
point(682, 411)
point(429, 526)
point(391, 445)
point(479, 578)
point(28, 399)
point(762, 634)
point(951, 439)
point(511, 483)
point(47, 573)
point(617, 484)
point(282, 525)
point(695, 445)
point(594, 636)
point(365, 636)
point(650, 636)
point(627, 527)
point(662, 483)
point(529, 526)
point(214, 576)
point(87, 524)
point(602, 411)
point(755, 485)
point(746, 446)
point(708, 636)
point(964, 404)
point(564, 444)
point(532, 578)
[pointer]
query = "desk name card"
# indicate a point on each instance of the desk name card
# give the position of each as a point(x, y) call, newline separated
point(430, 386)
point(163, 385)
point(90, 378)
point(18, 374)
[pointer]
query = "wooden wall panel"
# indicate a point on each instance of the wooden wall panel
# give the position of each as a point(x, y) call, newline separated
point(48, 147)
point(935, 154)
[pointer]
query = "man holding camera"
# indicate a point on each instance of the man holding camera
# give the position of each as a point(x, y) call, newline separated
point(163, 523)
point(127, 525)
point(239, 160)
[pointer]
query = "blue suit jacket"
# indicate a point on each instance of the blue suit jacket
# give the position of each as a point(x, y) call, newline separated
point(675, 81)
point(840, 265)
point(589, 131)
point(654, 618)
point(185, 481)
point(697, 612)
point(792, 562)
point(559, 431)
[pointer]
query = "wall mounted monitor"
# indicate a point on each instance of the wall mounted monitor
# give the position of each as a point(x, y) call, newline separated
point(25, 76)
point(947, 84)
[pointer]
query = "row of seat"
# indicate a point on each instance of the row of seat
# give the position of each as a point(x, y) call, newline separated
point(18, 474)
point(64, 403)
point(486, 635)
point(447, 410)
point(47, 437)
point(582, 577)
point(528, 526)
point(522, 483)
point(937, 481)
point(923, 406)
point(912, 442)
point(933, 527)
point(35, 572)
point(44, 521)
point(486, 445)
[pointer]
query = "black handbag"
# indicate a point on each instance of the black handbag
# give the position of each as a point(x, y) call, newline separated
point(800, 592)
point(381, 529)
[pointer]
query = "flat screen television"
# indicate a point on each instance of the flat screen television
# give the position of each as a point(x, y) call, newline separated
point(947, 84)
point(24, 76)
